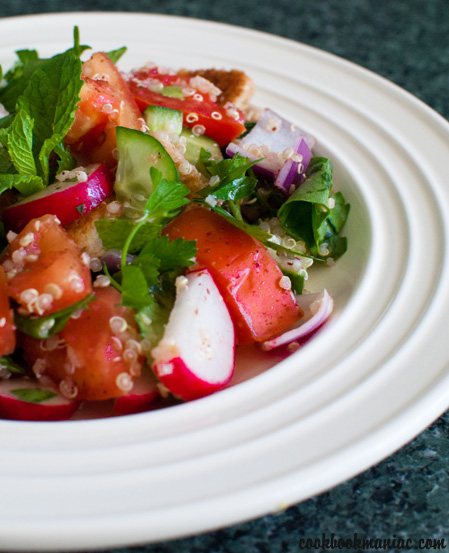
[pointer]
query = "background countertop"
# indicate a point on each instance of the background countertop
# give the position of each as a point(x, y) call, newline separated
point(406, 41)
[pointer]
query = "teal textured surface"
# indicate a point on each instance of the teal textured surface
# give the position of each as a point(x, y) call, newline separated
point(407, 41)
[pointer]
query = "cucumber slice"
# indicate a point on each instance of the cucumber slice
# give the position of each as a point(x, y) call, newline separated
point(137, 152)
point(172, 92)
point(195, 143)
point(160, 118)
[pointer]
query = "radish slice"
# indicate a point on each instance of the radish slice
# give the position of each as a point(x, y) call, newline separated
point(67, 200)
point(277, 141)
point(317, 309)
point(29, 401)
point(144, 391)
point(196, 354)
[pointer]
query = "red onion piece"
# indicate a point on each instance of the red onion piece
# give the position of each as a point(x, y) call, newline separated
point(113, 260)
point(278, 135)
point(317, 309)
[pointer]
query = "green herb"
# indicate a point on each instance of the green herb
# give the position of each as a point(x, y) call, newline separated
point(31, 395)
point(170, 253)
point(233, 185)
point(139, 280)
point(115, 55)
point(66, 160)
point(152, 319)
point(307, 214)
point(267, 239)
point(296, 280)
point(8, 362)
point(114, 233)
point(249, 126)
point(43, 327)
point(80, 208)
point(41, 96)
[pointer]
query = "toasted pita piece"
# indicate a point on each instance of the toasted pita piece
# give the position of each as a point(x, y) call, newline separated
point(84, 233)
point(236, 87)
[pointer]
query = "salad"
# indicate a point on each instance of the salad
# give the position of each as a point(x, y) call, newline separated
point(153, 225)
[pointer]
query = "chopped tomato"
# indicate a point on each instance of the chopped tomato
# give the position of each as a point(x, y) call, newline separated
point(7, 329)
point(106, 102)
point(199, 109)
point(244, 272)
point(98, 99)
point(96, 356)
point(45, 268)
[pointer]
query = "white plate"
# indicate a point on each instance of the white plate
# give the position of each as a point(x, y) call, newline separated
point(375, 377)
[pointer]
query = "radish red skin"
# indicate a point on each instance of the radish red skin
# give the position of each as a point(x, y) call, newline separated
point(140, 398)
point(196, 362)
point(13, 408)
point(131, 404)
point(182, 382)
point(68, 201)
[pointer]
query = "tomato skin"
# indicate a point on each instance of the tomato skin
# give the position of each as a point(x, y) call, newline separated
point(91, 113)
point(44, 259)
point(92, 136)
point(223, 130)
point(7, 328)
point(244, 272)
point(89, 356)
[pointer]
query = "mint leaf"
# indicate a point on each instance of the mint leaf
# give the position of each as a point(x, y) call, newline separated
point(6, 165)
point(18, 77)
point(115, 55)
point(6, 121)
point(78, 48)
point(25, 184)
point(19, 143)
point(51, 99)
point(114, 234)
point(33, 395)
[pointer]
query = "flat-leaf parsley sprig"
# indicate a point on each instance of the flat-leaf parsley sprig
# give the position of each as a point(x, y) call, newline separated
point(146, 282)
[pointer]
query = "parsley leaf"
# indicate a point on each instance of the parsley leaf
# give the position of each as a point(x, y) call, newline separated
point(233, 182)
point(171, 254)
point(114, 234)
point(166, 199)
point(7, 362)
point(33, 395)
point(152, 320)
point(154, 254)
point(134, 287)
point(43, 327)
